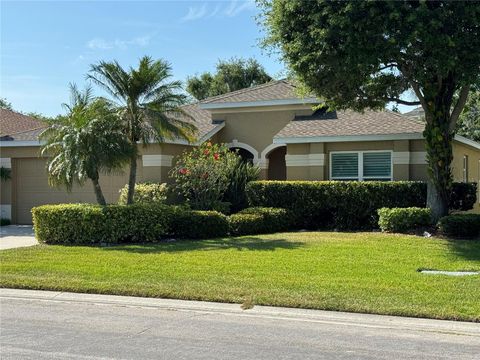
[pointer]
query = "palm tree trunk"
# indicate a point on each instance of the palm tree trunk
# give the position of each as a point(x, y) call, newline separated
point(98, 191)
point(132, 178)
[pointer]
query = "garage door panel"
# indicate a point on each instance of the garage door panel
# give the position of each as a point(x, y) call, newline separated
point(32, 189)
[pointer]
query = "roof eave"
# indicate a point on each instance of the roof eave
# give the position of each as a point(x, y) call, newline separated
point(244, 104)
point(345, 138)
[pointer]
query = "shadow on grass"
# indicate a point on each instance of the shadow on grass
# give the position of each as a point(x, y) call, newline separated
point(240, 244)
point(467, 249)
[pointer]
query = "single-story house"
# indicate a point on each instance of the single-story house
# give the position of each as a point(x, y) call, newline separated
point(269, 124)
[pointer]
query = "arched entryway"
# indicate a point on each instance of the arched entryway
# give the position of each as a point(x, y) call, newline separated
point(277, 168)
point(245, 154)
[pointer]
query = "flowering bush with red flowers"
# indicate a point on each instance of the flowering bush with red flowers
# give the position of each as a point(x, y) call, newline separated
point(202, 176)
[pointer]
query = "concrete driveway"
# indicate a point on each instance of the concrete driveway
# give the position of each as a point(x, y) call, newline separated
point(15, 236)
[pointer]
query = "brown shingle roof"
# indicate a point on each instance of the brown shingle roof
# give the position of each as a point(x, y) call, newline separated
point(200, 118)
point(350, 123)
point(15, 125)
point(273, 90)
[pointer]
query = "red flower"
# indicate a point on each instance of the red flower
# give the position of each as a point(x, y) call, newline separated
point(206, 152)
point(183, 171)
point(216, 156)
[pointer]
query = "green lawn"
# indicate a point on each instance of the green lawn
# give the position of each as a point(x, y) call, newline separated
point(360, 272)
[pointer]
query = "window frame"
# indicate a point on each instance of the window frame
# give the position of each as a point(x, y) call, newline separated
point(360, 176)
point(465, 168)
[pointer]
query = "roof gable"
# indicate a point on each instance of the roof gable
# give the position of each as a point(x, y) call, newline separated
point(12, 123)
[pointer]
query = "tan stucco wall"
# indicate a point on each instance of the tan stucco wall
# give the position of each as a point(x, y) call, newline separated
point(255, 128)
point(5, 192)
point(29, 186)
point(459, 150)
point(400, 171)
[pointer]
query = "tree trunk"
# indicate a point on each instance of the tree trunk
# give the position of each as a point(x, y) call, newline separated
point(98, 191)
point(437, 204)
point(438, 140)
point(132, 178)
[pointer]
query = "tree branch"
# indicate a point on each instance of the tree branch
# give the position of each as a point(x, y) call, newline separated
point(404, 102)
point(457, 110)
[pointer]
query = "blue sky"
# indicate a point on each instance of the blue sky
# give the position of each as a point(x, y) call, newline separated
point(46, 45)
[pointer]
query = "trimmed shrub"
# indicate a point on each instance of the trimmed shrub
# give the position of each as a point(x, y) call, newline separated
point(5, 222)
point(348, 205)
point(463, 196)
point(145, 193)
point(259, 220)
point(404, 219)
point(198, 224)
point(93, 224)
point(336, 204)
point(461, 226)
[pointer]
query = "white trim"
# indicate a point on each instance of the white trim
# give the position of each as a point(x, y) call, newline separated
point(407, 157)
point(466, 141)
point(346, 138)
point(269, 149)
point(418, 157)
point(242, 104)
point(360, 176)
point(305, 160)
point(236, 144)
point(6, 211)
point(401, 157)
point(263, 164)
point(6, 163)
point(19, 143)
point(157, 160)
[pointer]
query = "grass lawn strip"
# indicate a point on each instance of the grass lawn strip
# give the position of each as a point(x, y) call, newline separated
point(358, 272)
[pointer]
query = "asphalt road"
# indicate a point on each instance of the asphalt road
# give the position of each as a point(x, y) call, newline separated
point(72, 326)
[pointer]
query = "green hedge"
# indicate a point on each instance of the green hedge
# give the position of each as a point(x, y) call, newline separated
point(404, 219)
point(335, 204)
point(197, 224)
point(463, 196)
point(93, 224)
point(259, 220)
point(145, 193)
point(344, 204)
point(461, 226)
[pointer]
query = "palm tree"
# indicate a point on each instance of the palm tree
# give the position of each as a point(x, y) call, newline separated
point(85, 142)
point(149, 104)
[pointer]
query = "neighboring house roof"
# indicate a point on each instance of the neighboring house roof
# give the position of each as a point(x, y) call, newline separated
point(16, 126)
point(415, 113)
point(350, 123)
point(272, 93)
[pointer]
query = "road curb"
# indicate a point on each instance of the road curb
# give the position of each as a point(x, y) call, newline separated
point(292, 314)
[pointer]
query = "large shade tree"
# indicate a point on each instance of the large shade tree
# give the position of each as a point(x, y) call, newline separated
point(84, 143)
point(365, 54)
point(149, 104)
point(230, 75)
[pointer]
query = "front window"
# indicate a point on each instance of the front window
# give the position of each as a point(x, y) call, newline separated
point(361, 165)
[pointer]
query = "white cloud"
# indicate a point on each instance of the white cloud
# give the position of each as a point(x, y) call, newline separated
point(233, 8)
point(236, 7)
point(102, 44)
point(195, 13)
